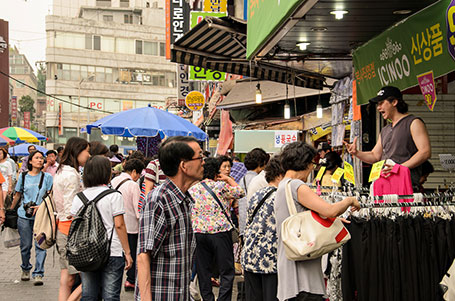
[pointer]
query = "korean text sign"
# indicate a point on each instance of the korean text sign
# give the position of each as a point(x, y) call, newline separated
point(285, 137)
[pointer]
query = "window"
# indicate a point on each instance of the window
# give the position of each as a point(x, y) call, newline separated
point(108, 18)
point(70, 40)
point(151, 48)
point(84, 72)
point(125, 46)
point(66, 72)
point(96, 43)
point(99, 74)
point(138, 47)
point(103, 3)
point(124, 3)
point(162, 49)
point(88, 41)
point(19, 85)
point(128, 19)
point(108, 74)
point(75, 72)
point(108, 44)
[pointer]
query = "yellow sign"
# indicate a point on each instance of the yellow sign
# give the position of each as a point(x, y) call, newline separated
point(219, 6)
point(349, 173)
point(376, 170)
point(213, 143)
point(336, 177)
point(195, 101)
point(320, 173)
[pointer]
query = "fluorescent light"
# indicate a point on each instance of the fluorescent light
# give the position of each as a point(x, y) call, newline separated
point(287, 111)
point(402, 12)
point(303, 45)
point(258, 94)
point(339, 13)
point(319, 111)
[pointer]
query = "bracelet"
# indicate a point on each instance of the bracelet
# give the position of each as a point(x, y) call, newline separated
point(3, 208)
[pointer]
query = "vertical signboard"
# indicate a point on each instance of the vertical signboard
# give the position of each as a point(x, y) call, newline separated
point(177, 22)
point(13, 110)
point(183, 85)
point(60, 122)
point(27, 120)
point(4, 81)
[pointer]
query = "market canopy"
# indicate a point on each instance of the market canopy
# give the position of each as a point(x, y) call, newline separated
point(220, 44)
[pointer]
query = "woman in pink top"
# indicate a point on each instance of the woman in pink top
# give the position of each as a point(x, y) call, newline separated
point(67, 183)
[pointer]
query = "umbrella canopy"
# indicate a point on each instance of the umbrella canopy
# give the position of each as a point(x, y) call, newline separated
point(22, 149)
point(21, 135)
point(146, 122)
point(5, 140)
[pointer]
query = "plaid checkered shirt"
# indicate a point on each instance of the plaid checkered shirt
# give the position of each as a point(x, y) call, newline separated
point(165, 231)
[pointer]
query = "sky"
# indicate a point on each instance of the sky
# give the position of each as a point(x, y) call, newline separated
point(26, 20)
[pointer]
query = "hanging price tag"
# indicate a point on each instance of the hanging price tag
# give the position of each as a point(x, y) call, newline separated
point(349, 173)
point(320, 173)
point(336, 177)
point(376, 171)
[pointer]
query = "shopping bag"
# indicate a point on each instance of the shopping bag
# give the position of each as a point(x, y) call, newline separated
point(11, 238)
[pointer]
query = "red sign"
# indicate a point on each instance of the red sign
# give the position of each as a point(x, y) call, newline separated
point(13, 108)
point(27, 120)
point(60, 124)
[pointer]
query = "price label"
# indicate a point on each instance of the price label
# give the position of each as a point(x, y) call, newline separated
point(376, 171)
point(349, 173)
point(336, 177)
point(320, 173)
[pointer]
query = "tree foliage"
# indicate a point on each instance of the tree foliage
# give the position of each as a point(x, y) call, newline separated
point(41, 79)
point(26, 104)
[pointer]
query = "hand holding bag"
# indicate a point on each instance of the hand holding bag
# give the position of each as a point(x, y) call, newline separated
point(307, 235)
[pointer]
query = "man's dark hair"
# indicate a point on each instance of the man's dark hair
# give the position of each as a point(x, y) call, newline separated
point(59, 149)
point(30, 146)
point(172, 151)
point(211, 168)
point(401, 106)
point(224, 158)
point(273, 169)
point(134, 164)
point(97, 171)
point(236, 159)
point(297, 156)
point(50, 152)
point(98, 148)
point(137, 155)
point(427, 168)
point(257, 157)
point(30, 157)
point(113, 148)
point(74, 146)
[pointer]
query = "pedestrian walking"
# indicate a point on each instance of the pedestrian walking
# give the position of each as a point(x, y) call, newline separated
point(166, 241)
point(51, 164)
point(30, 189)
point(108, 280)
point(67, 183)
point(7, 171)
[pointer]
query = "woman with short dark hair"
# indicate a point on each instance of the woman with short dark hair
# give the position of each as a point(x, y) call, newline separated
point(301, 280)
point(107, 280)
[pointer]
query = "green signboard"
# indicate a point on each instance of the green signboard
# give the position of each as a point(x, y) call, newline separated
point(198, 73)
point(264, 18)
point(412, 52)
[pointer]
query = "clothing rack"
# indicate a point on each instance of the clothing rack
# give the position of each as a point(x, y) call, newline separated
point(342, 188)
point(407, 204)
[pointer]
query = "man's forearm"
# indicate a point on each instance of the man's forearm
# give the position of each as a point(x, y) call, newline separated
point(143, 276)
point(417, 159)
point(367, 157)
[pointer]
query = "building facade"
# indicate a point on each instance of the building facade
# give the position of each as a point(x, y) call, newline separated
point(107, 56)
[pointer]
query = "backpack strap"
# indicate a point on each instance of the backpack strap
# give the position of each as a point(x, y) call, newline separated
point(84, 199)
point(121, 183)
point(244, 184)
point(23, 174)
point(260, 204)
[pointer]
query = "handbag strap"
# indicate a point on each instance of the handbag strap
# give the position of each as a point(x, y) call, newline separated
point(289, 199)
point(218, 201)
point(266, 196)
point(121, 183)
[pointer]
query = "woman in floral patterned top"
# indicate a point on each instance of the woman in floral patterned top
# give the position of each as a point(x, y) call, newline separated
point(213, 229)
point(259, 252)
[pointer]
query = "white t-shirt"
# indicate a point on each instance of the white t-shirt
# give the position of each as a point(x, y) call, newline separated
point(109, 207)
point(7, 170)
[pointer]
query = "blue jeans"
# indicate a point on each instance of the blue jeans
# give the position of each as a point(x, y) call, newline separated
point(25, 228)
point(107, 280)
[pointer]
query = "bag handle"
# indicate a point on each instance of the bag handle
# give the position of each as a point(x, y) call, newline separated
point(289, 199)
point(121, 183)
point(218, 201)
point(260, 204)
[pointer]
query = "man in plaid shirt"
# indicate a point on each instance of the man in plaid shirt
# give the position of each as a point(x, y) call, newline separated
point(166, 241)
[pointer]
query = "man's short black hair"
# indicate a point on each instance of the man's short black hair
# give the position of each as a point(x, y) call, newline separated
point(427, 168)
point(172, 151)
point(134, 164)
point(50, 152)
point(59, 149)
point(113, 148)
point(297, 156)
point(257, 157)
point(97, 171)
point(211, 168)
point(273, 169)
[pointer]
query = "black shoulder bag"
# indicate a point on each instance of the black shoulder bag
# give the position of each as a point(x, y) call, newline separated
point(258, 206)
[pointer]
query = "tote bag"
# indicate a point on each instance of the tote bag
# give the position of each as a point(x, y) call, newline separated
point(307, 235)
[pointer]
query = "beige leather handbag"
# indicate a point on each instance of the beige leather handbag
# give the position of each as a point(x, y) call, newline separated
point(307, 235)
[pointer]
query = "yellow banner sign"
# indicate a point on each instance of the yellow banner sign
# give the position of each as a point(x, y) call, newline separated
point(320, 173)
point(336, 177)
point(195, 101)
point(349, 173)
point(376, 171)
point(219, 6)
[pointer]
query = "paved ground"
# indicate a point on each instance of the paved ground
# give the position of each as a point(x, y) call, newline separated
point(12, 288)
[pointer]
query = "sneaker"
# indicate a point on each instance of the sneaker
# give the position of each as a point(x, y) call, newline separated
point(25, 275)
point(129, 286)
point(38, 280)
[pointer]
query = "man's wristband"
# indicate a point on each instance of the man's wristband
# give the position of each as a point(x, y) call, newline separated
point(3, 208)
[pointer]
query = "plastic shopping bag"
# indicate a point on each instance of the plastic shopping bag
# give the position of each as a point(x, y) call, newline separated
point(11, 238)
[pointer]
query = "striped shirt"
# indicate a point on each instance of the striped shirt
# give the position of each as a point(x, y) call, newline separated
point(165, 231)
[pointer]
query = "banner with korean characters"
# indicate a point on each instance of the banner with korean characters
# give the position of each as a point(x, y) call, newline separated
point(177, 24)
point(198, 73)
point(422, 46)
point(183, 85)
point(219, 6)
point(285, 137)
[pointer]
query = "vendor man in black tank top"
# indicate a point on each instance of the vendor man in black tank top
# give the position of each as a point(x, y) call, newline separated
point(405, 140)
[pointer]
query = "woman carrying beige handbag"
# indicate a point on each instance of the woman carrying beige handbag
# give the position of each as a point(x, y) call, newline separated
point(301, 280)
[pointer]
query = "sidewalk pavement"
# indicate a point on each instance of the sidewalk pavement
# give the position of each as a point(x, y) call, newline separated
point(12, 288)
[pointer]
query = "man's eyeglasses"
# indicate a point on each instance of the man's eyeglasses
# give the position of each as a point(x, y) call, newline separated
point(202, 158)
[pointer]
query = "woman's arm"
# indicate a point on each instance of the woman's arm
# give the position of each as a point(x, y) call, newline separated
point(312, 201)
point(16, 197)
point(120, 228)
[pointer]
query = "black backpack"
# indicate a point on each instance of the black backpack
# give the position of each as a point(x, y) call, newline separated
point(88, 247)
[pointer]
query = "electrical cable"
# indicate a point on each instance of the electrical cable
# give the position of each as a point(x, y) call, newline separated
point(59, 99)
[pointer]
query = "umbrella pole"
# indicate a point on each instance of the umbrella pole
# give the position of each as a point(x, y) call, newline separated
point(147, 147)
